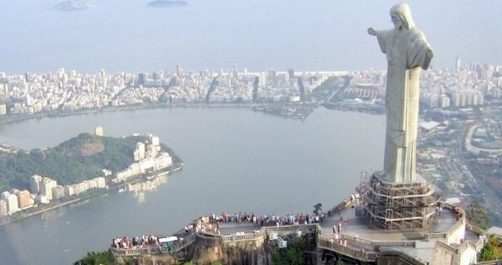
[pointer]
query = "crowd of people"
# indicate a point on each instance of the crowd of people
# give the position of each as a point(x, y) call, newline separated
point(211, 223)
point(136, 242)
point(339, 238)
point(268, 220)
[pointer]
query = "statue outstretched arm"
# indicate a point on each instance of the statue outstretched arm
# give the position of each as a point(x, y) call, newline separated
point(383, 36)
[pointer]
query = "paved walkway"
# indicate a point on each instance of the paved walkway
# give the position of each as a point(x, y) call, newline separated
point(353, 226)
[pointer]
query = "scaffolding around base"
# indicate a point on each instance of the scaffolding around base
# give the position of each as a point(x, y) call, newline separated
point(397, 205)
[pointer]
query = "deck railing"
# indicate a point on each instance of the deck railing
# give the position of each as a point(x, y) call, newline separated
point(359, 254)
point(186, 242)
point(153, 250)
point(402, 255)
point(243, 237)
point(135, 251)
point(373, 244)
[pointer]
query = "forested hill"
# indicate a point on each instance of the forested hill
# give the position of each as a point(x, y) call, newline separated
point(80, 158)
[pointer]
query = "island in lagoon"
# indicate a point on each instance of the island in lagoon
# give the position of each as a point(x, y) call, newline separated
point(84, 166)
point(167, 3)
point(71, 5)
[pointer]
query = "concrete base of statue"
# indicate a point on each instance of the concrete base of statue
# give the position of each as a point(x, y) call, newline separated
point(400, 206)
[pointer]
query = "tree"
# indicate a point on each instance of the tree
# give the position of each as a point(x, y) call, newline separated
point(492, 250)
point(293, 254)
point(95, 258)
point(75, 160)
point(318, 209)
point(477, 215)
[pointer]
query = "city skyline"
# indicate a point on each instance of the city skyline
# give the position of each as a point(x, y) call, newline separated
point(69, 91)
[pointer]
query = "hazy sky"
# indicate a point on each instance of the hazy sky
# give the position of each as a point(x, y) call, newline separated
point(257, 34)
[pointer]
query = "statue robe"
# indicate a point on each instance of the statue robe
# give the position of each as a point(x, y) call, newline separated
point(407, 52)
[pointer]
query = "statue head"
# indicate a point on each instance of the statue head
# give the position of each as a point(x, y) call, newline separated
point(401, 16)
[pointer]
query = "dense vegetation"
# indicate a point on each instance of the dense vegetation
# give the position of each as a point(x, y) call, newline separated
point(297, 251)
point(292, 255)
point(80, 158)
point(478, 215)
point(492, 250)
point(97, 258)
point(193, 263)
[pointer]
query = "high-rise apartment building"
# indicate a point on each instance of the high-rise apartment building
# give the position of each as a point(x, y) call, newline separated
point(68, 190)
point(3, 109)
point(139, 153)
point(58, 192)
point(3, 208)
point(24, 199)
point(99, 131)
point(46, 187)
point(35, 184)
point(12, 204)
point(458, 64)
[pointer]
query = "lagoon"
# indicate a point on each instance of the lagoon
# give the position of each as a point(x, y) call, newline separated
point(235, 160)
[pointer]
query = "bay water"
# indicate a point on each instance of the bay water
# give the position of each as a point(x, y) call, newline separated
point(234, 160)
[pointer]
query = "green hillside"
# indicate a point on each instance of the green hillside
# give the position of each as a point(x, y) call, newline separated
point(72, 161)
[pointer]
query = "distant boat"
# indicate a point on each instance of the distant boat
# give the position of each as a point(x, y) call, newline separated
point(168, 3)
point(74, 5)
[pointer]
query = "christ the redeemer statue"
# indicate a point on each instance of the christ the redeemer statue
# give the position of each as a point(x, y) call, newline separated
point(407, 52)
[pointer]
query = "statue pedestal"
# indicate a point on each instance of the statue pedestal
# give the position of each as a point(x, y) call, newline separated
point(397, 206)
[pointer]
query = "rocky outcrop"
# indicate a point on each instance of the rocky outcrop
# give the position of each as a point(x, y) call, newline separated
point(256, 251)
point(246, 252)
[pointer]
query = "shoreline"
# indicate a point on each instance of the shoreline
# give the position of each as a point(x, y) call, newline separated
point(10, 119)
point(24, 216)
point(93, 194)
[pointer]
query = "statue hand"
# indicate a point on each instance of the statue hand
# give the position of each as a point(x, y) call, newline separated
point(430, 54)
point(372, 31)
